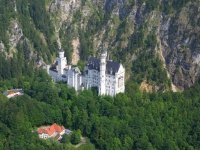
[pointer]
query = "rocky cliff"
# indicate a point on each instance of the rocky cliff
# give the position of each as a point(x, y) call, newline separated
point(125, 26)
point(179, 34)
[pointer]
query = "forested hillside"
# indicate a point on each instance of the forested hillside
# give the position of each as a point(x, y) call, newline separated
point(27, 37)
point(134, 120)
point(158, 43)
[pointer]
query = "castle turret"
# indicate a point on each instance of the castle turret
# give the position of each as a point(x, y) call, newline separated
point(48, 67)
point(69, 66)
point(61, 62)
point(102, 72)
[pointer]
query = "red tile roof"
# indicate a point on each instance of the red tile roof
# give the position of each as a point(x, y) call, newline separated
point(52, 129)
point(11, 92)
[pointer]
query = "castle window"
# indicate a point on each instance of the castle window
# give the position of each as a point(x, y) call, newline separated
point(120, 81)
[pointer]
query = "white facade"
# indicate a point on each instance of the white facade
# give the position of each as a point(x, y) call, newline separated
point(104, 74)
point(44, 135)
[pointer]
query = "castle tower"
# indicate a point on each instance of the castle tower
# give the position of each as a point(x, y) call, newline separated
point(61, 62)
point(48, 67)
point(102, 88)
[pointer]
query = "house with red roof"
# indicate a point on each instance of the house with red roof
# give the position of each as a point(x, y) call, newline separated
point(13, 93)
point(51, 131)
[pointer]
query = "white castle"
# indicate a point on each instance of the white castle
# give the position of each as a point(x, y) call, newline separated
point(106, 75)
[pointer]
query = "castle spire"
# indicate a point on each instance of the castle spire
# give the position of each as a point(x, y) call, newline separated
point(61, 61)
point(102, 90)
point(103, 51)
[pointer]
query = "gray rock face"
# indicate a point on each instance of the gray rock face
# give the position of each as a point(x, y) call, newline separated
point(65, 6)
point(110, 4)
point(15, 33)
point(179, 36)
point(177, 32)
point(180, 46)
point(2, 47)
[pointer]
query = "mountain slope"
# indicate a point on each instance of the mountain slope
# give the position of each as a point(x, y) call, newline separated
point(137, 33)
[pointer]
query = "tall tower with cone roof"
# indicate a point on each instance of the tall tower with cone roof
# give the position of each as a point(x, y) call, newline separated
point(61, 62)
point(102, 90)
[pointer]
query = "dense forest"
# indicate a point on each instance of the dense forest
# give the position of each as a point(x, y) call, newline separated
point(134, 120)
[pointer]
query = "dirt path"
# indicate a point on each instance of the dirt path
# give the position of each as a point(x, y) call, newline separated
point(83, 141)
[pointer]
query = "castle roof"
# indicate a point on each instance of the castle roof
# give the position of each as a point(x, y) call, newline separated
point(111, 67)
point(53, 69)
point(76, 69)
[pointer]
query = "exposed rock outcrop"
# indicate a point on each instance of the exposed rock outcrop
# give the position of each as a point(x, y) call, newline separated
point(15, 33)
point(177, 32)
point(180, 46)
